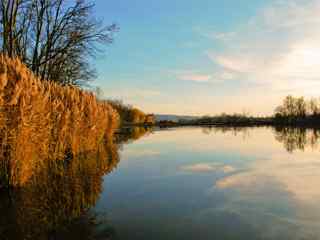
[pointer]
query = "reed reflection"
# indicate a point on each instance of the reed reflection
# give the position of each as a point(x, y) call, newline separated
point(130, 134)
point(45, 193)
point(56, 192)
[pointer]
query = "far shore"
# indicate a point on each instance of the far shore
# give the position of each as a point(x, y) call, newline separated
point(247, 122)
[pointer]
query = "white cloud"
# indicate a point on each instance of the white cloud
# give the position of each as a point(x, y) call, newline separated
point(279, 48)
point(219, 76)
point(195, 77)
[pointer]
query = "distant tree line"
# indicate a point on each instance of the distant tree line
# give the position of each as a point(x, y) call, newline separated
point(295, 110)
point(292, 111)
point(227, 119)
point(54, 38)
point(131, 115)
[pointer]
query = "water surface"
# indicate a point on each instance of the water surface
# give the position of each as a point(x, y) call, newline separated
point(185, 183)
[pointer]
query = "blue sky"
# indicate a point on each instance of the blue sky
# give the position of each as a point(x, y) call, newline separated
point(209, 56)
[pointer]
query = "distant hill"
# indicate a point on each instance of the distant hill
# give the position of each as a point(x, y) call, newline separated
point(175, 118)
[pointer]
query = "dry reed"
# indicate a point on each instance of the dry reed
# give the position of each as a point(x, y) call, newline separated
point(42, 120)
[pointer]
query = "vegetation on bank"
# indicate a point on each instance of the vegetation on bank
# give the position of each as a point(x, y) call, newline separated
point(45, 50)
point(292, 111)
point(56, 144)
point(298, 111)
point(220, 120)
point(43, 120)
point(130, 115)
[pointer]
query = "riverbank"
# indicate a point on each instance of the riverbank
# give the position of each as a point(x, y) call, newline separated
point(250, 122)
point(42, 120)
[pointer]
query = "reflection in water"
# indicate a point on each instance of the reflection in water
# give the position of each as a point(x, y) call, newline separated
point(292, 138)
point(297, 138)
point(129, 134)
point(235, 183)
point(230, 184)
point(48, 184)
point(244, 131)
point(58, 192)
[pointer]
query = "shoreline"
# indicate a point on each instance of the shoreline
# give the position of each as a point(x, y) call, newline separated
point(305, 124)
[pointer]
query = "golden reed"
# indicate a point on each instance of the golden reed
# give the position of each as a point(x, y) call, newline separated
point(41, 120)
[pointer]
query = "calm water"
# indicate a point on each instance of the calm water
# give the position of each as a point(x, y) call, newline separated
point(187, 183)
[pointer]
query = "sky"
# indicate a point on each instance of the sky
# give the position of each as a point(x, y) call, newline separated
point(204, 57)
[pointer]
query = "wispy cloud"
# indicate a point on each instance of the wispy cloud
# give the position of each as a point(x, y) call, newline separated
point(221, 36)
point(214, 77)
point(212, 33)
point(278, 48)
point(195, 77)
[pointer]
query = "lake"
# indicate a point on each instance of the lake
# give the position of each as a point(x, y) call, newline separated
point(182, 183)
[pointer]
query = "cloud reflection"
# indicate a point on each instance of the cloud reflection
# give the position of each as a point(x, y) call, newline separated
point(208, 167)
point(298, 175)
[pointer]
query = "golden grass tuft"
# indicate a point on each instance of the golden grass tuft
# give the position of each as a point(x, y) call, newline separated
point(42, 120)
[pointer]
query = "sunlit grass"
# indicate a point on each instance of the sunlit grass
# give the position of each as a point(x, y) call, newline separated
point(42, 120)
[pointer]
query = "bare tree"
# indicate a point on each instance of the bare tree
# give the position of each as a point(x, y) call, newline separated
point(55, 38)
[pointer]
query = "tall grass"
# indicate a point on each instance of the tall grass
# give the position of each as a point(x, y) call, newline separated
point(41, 120)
